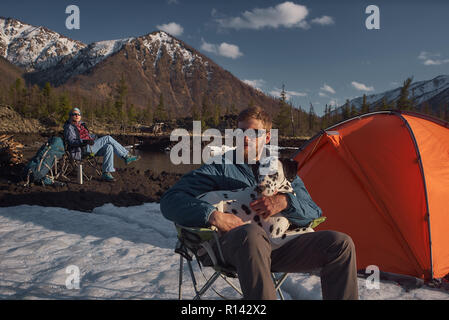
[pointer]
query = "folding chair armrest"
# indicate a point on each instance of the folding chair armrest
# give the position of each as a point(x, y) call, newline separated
point(201, 237)
point(198, 234)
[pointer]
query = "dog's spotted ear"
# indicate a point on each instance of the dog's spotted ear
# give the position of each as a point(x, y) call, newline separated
point(290, 168)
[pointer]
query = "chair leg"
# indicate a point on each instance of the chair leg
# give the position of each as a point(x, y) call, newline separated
point(181, 265)
point(278, 283)
point(207, 285)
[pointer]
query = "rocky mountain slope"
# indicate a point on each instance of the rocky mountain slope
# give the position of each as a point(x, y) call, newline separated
point(151, 65)
point(434, 91)
point(9, 73)
point(34, 48)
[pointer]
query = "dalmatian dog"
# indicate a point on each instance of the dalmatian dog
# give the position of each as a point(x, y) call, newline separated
point(275, 175)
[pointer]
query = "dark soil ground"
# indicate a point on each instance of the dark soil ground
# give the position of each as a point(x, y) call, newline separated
point(131, 186)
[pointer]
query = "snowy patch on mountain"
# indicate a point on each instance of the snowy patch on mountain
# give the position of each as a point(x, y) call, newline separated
point(420, 92)
point(34, 48)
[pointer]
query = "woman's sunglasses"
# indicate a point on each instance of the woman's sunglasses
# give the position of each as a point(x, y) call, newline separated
point(76, 114)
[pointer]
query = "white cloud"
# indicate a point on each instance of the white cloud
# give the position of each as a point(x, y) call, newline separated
point(224, 49)
point(172, 28)
point(323, 21)
point(276, 92)
point(361, 86)
point(256, 84)
point(229, 50)
point(432, 59)
point(287, 14)
point(328, 89)
point(322, 94)
point(208, 47)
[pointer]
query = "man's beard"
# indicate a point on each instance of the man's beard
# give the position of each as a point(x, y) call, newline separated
point(252, 152)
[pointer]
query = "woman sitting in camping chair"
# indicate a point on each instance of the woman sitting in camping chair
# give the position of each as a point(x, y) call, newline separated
point(80, 141)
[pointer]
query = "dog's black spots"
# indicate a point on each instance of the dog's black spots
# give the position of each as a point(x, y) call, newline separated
point(225, 195)
point(277, 231)
point(303, 229)
point(277, 220)
point(229, 202)
point(284, 236)
point(234, 211)
point(256, 218)
point(246, 209)
point(271, 228)
point(285, 187)
point(253, 196)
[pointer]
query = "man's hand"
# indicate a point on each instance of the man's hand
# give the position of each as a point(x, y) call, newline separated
point(224, 221)
point(269, 206)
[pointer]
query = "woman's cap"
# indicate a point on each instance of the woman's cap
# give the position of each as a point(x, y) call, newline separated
point(74, 110)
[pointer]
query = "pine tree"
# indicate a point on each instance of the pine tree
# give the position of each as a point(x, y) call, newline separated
point(217, 115)
point(365, 105)
point(64, 108)
point(403, 102)
point(233, 109)
point(148, 114)
point(121, 90)
point(132, 114)
point(353, 112)
point(346, 110)
point(206, 112)
point(384, 105)
point(195, 113)
point(160, 113)
point(312, 119)
point(426, 108)
point(282, 121)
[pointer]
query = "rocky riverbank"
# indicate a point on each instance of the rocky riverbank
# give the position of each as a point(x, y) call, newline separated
point(131, 186)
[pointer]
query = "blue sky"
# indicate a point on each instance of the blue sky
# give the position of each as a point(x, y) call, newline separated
point(320, 50)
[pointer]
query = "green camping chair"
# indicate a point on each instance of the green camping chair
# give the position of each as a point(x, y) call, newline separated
point(197, 243)
point(70, 166)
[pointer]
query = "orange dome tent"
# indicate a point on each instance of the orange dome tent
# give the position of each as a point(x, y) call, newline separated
point(383, 178)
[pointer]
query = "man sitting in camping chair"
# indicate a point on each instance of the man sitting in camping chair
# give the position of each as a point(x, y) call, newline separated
point(80, 140)
point(245, 246)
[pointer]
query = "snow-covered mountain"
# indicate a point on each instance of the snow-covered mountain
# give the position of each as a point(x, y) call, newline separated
point(149, 48)
point(38, 48)
point(34, 48)
point(152, 65)
point(420, 91)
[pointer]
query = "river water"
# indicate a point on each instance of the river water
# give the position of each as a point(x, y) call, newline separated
point(156, 162)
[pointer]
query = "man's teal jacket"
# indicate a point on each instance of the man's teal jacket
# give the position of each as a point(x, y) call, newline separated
point(179, 203)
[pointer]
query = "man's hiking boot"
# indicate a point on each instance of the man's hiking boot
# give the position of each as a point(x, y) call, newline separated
point(129, 158)
point(107, 176)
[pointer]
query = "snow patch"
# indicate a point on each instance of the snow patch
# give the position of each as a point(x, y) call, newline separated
point(122, 253)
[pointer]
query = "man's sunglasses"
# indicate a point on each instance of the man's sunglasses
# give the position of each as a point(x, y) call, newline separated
point(251, 133)
point(76, 114)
